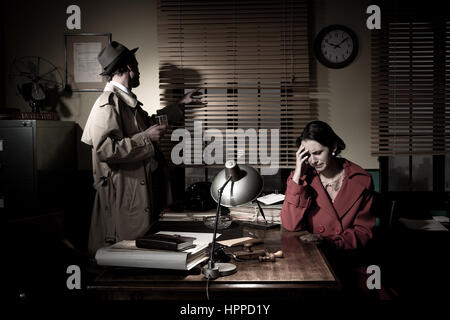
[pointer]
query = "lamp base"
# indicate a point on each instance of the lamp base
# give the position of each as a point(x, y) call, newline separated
point(220, 269)
point(260, 225)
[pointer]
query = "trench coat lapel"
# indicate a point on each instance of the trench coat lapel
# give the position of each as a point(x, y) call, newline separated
point(349, 193)
point(129, 99)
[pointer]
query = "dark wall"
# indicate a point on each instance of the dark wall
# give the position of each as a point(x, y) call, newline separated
point(2, 56)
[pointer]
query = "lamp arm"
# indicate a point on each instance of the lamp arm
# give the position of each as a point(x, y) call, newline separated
point(220, 191)
point(224, 185)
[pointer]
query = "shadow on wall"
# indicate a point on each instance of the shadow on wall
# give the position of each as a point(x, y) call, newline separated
point(84, 151)
point(174, 81)
point(64, 110)
point(77, 218)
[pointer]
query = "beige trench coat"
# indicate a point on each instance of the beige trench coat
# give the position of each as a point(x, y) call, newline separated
point(123, 158)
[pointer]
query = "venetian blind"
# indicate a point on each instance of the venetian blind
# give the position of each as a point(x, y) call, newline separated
point(251, 60)
point(410, 83)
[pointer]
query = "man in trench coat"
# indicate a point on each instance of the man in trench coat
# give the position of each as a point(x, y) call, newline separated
point(130, 173)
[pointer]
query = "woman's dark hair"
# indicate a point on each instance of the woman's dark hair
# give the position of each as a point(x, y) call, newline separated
point(322, 133)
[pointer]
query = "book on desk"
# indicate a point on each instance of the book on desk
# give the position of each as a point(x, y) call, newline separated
point(126, 254)
point(160, 241)
point(245, 212)
point(251, 212)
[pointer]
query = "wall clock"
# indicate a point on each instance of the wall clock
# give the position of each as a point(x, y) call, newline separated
point(336, 46)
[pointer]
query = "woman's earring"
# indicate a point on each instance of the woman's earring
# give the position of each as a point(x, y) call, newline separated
point(333, 153)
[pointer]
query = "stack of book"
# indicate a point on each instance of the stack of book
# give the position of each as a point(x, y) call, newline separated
point(186, 215)
point(183, 254)
point(250, 212)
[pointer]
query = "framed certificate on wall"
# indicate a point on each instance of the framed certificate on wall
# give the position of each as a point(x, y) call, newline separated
point(82, 69)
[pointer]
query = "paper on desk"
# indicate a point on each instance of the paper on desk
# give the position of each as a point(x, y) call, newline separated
point(271, 198)
point(426, 225)
point(441, 218)
point(233, 242)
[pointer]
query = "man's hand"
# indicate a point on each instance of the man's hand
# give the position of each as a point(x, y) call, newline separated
point(156, 132)
point(189, 97)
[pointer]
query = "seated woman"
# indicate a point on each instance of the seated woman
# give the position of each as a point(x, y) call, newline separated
point(330, 197)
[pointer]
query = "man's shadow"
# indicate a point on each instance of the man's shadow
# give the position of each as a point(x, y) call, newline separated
point(175, 83)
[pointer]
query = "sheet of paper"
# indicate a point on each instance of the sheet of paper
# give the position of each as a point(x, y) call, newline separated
point(233, 242)
point(271, 198)
point(441, 218)
point(125, 245)
point(426, 225)
point(86, 66)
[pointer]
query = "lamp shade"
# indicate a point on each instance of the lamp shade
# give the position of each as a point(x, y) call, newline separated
point(245, 185)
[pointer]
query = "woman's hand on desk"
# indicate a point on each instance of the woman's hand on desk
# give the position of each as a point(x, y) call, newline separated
point(312, 238)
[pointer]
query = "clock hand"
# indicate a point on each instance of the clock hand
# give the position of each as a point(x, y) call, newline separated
point(331, 44)
point(339, 44)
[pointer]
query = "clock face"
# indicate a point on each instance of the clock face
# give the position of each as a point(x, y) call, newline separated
point(336, 46)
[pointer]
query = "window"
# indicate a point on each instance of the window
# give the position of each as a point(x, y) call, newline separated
point(251, 60)
point(447, 173)
point(410, 96)
point(411, 173)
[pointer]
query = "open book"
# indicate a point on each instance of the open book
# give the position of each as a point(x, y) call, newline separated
point(126, 254)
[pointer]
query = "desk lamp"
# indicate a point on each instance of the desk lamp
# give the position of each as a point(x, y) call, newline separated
point(233, 186)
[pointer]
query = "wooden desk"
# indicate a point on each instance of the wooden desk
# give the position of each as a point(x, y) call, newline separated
point(303, 272)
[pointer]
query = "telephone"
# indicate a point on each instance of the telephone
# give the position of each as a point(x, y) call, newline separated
point(198, 197)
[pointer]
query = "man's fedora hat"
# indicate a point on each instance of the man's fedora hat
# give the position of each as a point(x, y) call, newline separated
point(112, 55)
